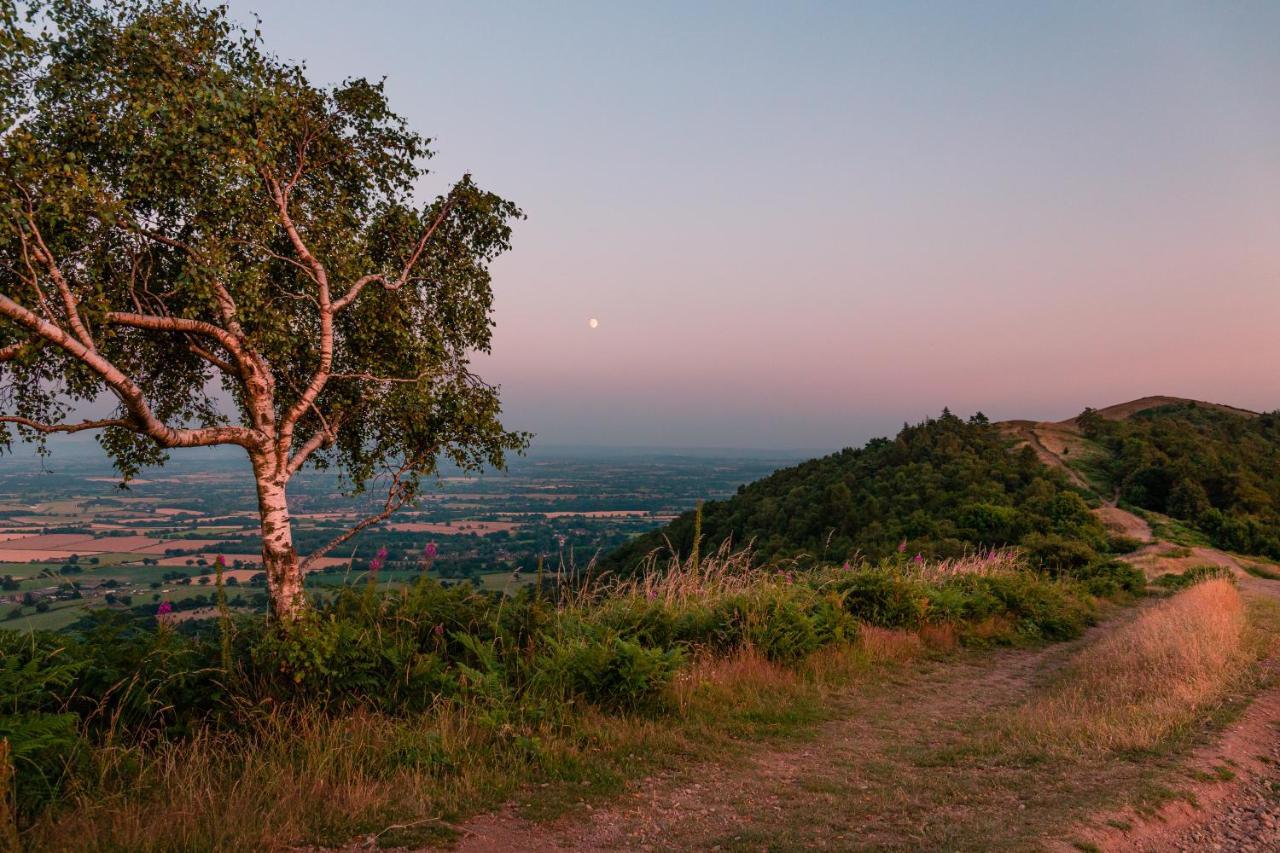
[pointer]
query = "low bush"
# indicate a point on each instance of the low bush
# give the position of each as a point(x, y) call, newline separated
point(1120, 544)
point(1192, 576)
point(1057, 553)
point(608, 671)
point(1111, 578)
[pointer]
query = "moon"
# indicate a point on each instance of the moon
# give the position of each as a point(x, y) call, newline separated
point(593, 322)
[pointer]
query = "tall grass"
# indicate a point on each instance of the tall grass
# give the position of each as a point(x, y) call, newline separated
point(1138, 686)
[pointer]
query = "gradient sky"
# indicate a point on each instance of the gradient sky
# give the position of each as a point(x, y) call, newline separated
point(801, 224)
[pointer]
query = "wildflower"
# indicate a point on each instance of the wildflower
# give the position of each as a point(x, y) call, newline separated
point(438, 630)
point(919, 558)
point(375, 565)
point(902, 547)
point(220, 561)
point(847, 566)
point(653, 593)
point(164, 609)
point(429, 552)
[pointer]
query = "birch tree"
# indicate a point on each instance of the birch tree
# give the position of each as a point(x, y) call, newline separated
point(228, 254)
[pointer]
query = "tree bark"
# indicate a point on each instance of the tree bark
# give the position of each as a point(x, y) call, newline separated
point(279, 559)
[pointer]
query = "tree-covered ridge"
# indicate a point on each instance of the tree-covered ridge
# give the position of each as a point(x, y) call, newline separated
point(1217, 470)
point(942, 486)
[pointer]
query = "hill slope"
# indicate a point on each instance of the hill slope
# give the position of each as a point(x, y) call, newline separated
point(947, 484)
point(941, 487)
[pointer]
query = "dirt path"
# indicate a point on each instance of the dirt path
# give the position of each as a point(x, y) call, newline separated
point(1124, 522)
point(895, 770)
point(1026, 431)
point(1121, 521)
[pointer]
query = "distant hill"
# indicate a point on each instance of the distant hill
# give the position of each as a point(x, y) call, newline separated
point(1058, 442)
point(949, 484)
point(1215, 467)
point(938, 488)
point(1124, 411)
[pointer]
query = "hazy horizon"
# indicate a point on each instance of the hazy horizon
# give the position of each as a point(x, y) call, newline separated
point(802, 225)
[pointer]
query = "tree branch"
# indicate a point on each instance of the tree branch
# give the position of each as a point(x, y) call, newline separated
point(158, 322)
point(76, 427)
point(364, 281)
point(142, 419)
point(398, 494)
point(309, 395)
point(12, 351)
point(223, 365)
point(42, 254)
point(381, 380)
point(324, 436)
point(226, 304)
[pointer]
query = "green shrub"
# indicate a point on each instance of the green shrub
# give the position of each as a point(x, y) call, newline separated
point(36, 676)
point(1118, 544)
point(1111, 578)
point(883, 597)
point(46, 750)
point(648, 622)
point(1042, 610)
point(780, 627)
point(123, 679)
point(1192, 576)
point(608, 671)
point(1057, 553)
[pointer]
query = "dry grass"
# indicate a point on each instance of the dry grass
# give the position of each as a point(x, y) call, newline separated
point(727, 571)
point(745, 678)
point(1136, 687)
point(676, 580)
point(989, 562)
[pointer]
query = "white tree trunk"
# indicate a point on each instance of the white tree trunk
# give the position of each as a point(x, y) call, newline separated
point(279, 559)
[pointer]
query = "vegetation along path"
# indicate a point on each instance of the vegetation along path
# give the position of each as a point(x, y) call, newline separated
point(921, 759)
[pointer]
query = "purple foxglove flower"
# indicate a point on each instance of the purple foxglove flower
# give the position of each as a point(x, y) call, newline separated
point(164, 609)
point(429, 552)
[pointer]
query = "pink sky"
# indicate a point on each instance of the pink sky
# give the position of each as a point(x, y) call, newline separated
point(802, 224)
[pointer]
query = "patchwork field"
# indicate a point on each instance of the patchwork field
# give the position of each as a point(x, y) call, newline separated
point(456, 528)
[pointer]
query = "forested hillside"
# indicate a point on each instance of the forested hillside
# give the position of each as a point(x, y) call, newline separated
point(942, 486)
point(1217, 470)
